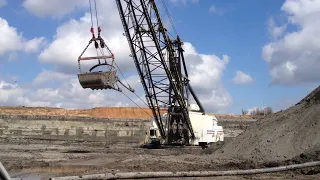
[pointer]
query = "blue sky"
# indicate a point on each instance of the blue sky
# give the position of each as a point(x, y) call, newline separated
point(238, 29)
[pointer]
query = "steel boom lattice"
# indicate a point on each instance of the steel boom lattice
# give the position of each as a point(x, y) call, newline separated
point(157, 62)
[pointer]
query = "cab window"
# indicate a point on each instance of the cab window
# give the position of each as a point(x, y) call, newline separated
point(152, 132)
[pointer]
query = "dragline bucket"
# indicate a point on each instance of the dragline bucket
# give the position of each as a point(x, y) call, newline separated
point(98, 80)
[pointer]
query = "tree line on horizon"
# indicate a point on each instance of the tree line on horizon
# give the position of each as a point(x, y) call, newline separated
point(258, 111)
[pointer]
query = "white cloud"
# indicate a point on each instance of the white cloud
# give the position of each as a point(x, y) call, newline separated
point(67, 93)
point(13, 56)
point(294, 58)
point(205, 73)
point(73, 36)
point(274, 30)
point(177, 2)
point(12, 94)
point(34, 44)
point(46, 76)
point(182, 2)
point(56, 8)
point(242, 78)
point(3, 3)
point(60, 87)
point(214, 10)
point(251, 110)
point(11, 40)
point(56, 89)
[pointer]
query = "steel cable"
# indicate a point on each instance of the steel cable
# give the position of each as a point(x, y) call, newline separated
point(170, 19)
point(102, 53)
point(91, 14)
point(136, 104)
point(95, 5)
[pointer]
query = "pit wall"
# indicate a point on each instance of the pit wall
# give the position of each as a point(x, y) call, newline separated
point(72, 128)
point(110, 130)
point(234, 127)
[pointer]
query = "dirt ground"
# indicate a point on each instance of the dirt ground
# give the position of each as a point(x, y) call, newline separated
point(287, 137)
point(42, 159)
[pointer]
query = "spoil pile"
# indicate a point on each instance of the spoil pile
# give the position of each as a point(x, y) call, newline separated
point(101, 112)
point(281, 137)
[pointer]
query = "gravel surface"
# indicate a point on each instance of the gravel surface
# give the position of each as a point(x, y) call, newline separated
point(290, 136)
point(42, 160)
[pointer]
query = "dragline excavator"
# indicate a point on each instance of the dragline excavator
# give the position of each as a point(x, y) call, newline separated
point(160, 63)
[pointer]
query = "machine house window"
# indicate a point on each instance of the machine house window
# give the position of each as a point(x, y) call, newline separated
point(152, 132)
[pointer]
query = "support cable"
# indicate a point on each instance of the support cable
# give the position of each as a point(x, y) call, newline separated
point(170, 19)
point(137, 104)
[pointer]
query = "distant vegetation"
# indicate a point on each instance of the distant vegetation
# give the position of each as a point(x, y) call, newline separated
point(258, 111)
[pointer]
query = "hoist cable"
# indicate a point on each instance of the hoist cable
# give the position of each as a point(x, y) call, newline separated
point(102, 53)
point(95, 5)
point(98, 55)
point(91, 14)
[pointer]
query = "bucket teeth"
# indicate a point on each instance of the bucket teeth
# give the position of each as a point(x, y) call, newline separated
point(98, 80)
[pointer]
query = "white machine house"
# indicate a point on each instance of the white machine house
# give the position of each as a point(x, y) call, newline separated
point(205, 127)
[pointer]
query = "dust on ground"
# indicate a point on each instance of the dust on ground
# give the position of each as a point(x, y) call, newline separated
point(280, 137)
point(43, 159)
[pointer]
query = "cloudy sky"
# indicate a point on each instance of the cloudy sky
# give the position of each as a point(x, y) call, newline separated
point(240, 54)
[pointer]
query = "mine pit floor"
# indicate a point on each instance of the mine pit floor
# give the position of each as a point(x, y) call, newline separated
point(42, 160)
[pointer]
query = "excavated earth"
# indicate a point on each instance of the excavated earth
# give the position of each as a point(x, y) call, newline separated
point(287, 137)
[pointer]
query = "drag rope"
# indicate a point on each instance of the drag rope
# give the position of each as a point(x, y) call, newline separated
point(125, 79)
point(130, 86)
point(136, 104)
point(102, 53)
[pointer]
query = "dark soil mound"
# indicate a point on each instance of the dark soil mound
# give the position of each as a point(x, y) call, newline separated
point(280, 137)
